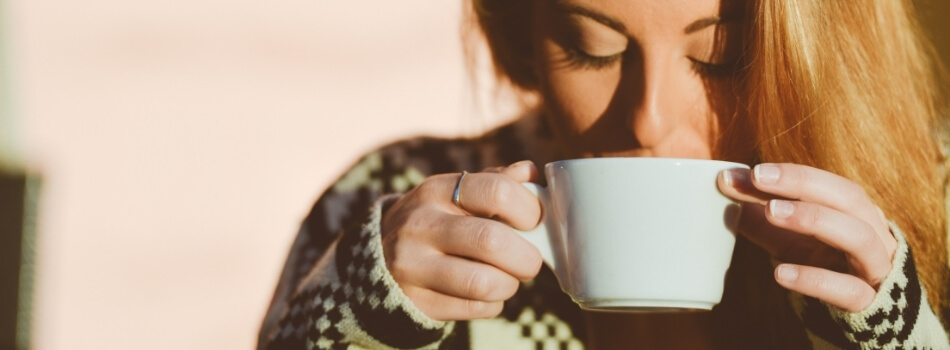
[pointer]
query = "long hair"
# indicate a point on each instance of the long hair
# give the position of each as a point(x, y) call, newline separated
point(849, 87)
point(844, 86)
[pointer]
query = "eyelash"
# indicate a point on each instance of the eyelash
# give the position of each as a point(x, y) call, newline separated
point(581, 59)
point(720, 70)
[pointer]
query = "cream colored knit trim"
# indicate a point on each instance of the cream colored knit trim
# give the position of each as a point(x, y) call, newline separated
point(397, 298)
point(900, 316)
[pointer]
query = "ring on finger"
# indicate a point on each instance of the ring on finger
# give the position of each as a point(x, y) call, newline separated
point(457, 194)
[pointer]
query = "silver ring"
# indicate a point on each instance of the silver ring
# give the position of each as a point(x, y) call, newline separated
point(456, 195)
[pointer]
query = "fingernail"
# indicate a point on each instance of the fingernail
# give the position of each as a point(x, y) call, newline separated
point(727, 177)
point(735, 177)
point(781, 209)
point(766, 173)
point(786, 273)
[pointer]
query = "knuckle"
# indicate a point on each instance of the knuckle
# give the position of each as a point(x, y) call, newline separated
point(479, 285)
point(867, 241)
point(488, 239)
point(399, 267)
point(427, 185)
point(855, 194)
point(807, 216)
point(434, 185)
point(813, 217)
point(500, 193)
point(417, 222)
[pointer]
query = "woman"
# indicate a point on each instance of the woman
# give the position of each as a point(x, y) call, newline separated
point(842, 238)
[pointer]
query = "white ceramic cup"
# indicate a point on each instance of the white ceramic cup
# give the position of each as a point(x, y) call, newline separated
point(637, 234)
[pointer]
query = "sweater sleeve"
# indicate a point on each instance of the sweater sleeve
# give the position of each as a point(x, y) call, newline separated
point(350, 300)
point(900, 316)
point(335, 291)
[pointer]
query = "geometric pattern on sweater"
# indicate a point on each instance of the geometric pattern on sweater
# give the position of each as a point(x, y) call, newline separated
point(538, 316)
point(529, 331)
point(354, 301)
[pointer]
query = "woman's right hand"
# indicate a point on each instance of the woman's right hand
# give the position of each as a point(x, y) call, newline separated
point(461, 262)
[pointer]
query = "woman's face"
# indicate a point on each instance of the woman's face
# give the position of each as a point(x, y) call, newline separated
point(641, 78)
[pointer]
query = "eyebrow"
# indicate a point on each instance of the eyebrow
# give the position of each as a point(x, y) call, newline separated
point(594, 15)
point(697, 25)
point(704, 23)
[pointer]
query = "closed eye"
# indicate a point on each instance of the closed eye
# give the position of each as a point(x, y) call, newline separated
point(583, 60)
point(714, 70)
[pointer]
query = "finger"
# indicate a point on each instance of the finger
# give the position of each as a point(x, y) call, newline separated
point(490, 242)
point(498, 196)
point(494, 169)
point(817, 186)
point(841, 290)
point(465, 279)
point(786, 245)
point(442, 307)
point(737, 184)
point(864, 250)
point(523, 171)
point(756, 228)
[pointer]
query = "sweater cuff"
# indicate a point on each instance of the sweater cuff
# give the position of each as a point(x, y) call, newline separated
point(363, 305)
point(899, 316)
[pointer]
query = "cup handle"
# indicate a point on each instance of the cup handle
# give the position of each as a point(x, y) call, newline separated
point(540, 236)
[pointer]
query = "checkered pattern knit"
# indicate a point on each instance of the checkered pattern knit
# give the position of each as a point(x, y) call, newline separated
point(335, 291)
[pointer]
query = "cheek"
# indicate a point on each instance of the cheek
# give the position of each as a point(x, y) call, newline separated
point(575, 98)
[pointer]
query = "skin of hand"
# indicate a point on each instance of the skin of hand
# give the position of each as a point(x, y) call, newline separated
point(833, 243)
point(462, 262)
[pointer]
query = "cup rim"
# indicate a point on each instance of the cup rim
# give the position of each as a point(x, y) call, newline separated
point(655, 160)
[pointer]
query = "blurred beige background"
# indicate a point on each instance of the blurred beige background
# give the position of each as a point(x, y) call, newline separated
point(181, 142)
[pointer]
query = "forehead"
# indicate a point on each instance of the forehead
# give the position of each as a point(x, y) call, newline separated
point(635, 16)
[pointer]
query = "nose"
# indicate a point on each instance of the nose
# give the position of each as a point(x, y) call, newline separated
point(653, 112)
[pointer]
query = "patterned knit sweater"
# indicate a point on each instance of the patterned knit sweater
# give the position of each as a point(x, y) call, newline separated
point(336, 293)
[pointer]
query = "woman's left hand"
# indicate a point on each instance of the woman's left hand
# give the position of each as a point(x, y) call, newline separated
point(834, 243)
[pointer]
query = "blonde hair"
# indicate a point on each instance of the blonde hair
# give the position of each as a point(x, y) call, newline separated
point(845, 86)
point(849, 87)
